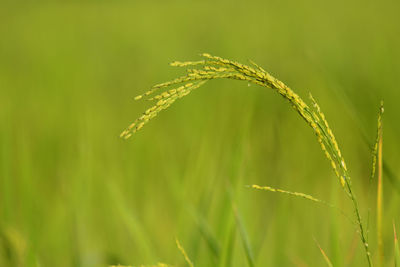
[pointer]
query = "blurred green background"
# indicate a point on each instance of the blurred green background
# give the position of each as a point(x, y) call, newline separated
point(73, 194)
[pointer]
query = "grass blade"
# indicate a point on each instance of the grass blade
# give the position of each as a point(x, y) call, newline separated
point(396, 248)
point(229, 246)
point(244, 236)
point(326, 258)
point(132, 223)
point(182, 250)
point(207, 234)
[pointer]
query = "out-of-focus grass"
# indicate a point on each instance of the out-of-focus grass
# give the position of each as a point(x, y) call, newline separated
point(73, 194)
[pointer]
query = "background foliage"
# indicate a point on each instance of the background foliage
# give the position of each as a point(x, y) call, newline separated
point(73, 194)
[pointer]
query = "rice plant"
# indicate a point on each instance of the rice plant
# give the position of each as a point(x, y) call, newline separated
point(211, 67)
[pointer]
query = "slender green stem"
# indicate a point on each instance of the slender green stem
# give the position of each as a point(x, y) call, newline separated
point(379, 204)
point(359, 222)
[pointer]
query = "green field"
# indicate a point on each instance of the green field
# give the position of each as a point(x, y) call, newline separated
point(72, 193)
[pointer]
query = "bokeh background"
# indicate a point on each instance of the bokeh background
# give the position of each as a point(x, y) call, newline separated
point(73, 194)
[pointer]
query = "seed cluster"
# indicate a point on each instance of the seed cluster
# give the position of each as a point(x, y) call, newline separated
point(213, 67)
point(156, 265)
point(378, 136)
point(296, 194)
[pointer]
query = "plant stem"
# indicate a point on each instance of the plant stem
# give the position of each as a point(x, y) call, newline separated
point(359, 221)
point(379, 204)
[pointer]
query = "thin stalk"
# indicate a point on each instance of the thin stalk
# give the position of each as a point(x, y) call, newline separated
point(379, 204)
point(184, 254)
point(359, 222)
point(396, 248)
point(326, 258)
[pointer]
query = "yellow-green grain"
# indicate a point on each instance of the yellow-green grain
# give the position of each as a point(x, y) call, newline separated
point(296, 194)
point(219, 68)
